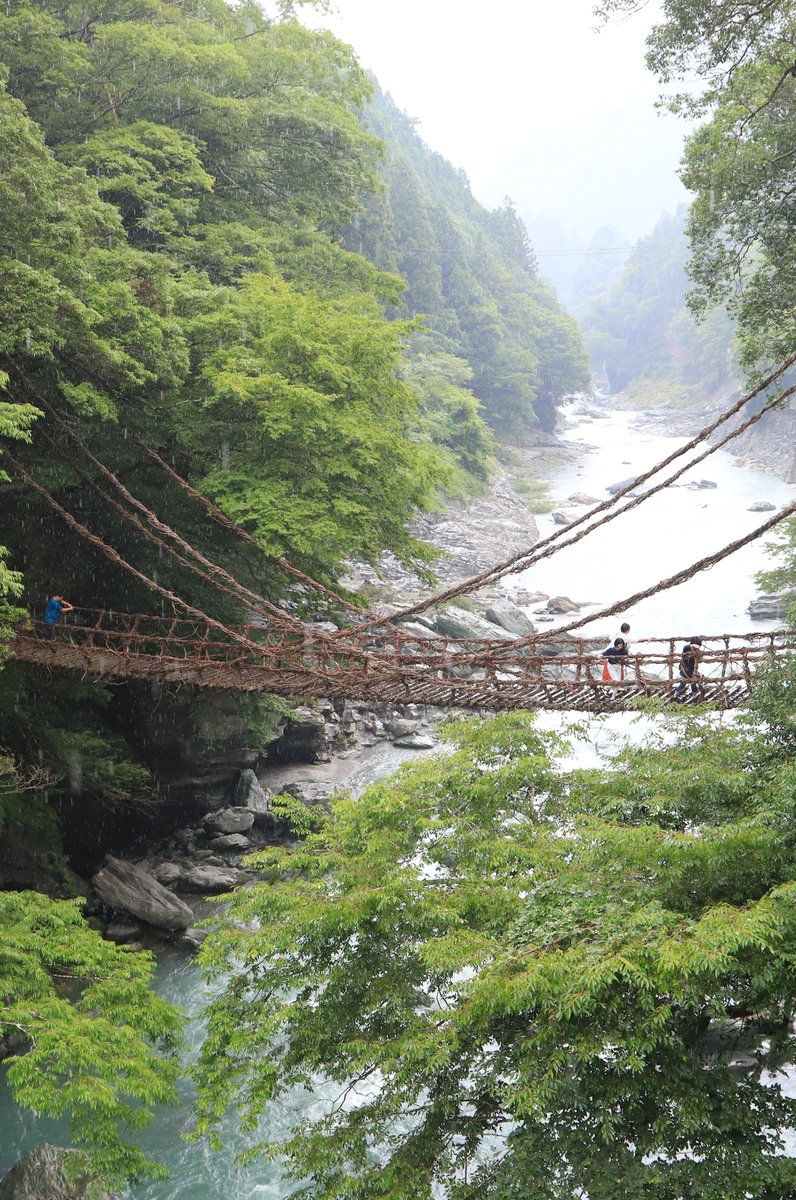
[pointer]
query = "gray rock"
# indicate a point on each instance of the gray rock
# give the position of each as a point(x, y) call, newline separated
point(229, 820)
point(416, 741)
point(167, 873)
point(768, 608)
point(193, 937)
point(417, 630)
point(40, 1175)
point(582, 498)
point(128, 887)
point(231, 841)
point(398, 727)
point(561, 518)
point(209, 879)
point(699, 485)
point(123, 932)
point(742, 1063)
point(459, 623)
point(618, 487)
point(249, 793)
point(422, 619)
point(524, 597)
point(562, 604)
point(761, 506)
point(512, 619)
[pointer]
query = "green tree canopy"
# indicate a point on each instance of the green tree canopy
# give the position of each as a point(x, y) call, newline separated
point(525, 988)
point(92, 1040)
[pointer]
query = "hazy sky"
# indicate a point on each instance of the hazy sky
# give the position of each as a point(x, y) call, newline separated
point(531, 100)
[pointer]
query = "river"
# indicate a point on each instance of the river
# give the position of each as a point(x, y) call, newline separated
point(663, 535)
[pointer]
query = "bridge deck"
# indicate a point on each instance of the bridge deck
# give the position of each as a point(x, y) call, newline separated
point(500, 683)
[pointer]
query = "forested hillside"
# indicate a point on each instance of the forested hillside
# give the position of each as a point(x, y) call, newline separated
point(641, 332)
point(472, 274)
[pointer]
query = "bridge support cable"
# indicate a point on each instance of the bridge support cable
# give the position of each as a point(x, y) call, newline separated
point(242, 533)
point(562, 538)
point(217, 513)
point(238, 592)
point(111, 553)
point(246, 595)
point(315, 646)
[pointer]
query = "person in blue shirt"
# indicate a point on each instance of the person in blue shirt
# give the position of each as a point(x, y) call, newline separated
point(52, 614)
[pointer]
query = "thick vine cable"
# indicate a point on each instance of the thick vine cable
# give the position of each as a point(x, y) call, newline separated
point(240, 593)
point(289, 626)
point(228, 523)
point(376, 665)
point(111, 553)
point(634, 503)
point(276, 614)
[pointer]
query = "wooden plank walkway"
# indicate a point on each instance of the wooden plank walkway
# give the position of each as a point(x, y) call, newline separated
point(401, 682)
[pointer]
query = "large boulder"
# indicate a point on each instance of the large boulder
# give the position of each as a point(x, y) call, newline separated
point(416, 741)
point(40, 1175)
point(510, 618)
point(233, 843)
point(129, 888)
point(761, 506)
point(249, 793)
point(456, 622)
point(768, 608)
point(207, 879)
point(562, 604)
point(229, 820)
point(306, 737)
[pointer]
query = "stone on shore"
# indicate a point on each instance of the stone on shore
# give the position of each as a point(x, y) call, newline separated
point(41, 1175)
point(459, 623)
point(562, 604)
point(208, 879)
point(249, 793)
point(561, 518)
point(613, 488)
point(235, 843)
point(129, 888)
point(167, 873)
point(761, 506)
point(510, 618)
point(768, 608)
point(229, 820)
point(416, 741)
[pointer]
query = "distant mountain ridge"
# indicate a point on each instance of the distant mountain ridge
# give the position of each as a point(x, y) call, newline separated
point(473, 276)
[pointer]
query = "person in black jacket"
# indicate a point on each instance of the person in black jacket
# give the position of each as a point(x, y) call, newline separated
point(689, 658)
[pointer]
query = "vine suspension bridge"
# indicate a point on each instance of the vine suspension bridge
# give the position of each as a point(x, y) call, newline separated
point(375, 658)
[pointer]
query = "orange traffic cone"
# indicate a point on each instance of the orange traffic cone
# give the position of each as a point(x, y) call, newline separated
point(607, 676)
